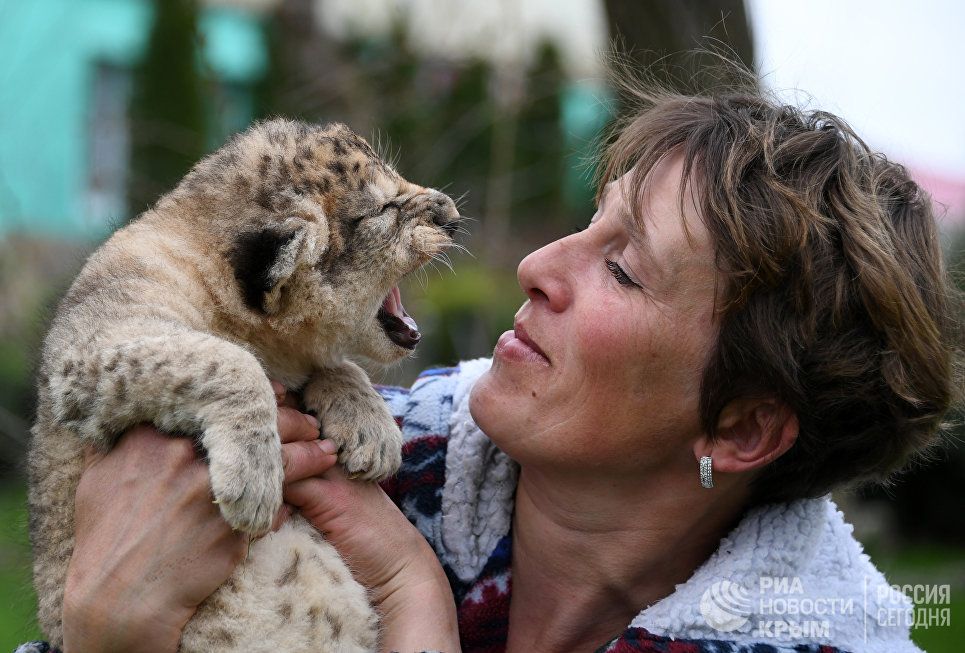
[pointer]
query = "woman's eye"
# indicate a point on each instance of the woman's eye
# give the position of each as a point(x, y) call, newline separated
point(619, 274)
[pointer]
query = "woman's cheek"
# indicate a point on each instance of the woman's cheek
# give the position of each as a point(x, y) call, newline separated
point(611, 342)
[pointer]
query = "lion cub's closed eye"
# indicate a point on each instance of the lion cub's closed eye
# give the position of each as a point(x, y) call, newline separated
point(277, 256)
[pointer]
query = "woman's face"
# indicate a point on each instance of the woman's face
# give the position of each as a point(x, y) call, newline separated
point(604, 365)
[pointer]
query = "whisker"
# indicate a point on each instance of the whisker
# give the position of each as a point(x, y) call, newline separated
point(458, 201)
point(423, 278)
point(444, 259)
point(461, 248)
point(435, 268)
point(433, 261)
point(448, 262)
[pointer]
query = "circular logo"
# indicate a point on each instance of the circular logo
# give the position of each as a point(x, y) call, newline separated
point(725, 606)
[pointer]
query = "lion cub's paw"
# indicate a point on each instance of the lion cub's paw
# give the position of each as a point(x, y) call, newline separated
point(370, 444)
point(246, 479)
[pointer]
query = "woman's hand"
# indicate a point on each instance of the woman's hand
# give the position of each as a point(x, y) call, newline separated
point(385, 552)
point(387, 555)
point(150, 545)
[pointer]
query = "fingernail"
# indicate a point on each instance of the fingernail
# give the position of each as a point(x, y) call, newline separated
point(312, 420)
point(278, 388)
point(327, 446)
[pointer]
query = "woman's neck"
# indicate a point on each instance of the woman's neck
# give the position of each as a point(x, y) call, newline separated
point(589, 555)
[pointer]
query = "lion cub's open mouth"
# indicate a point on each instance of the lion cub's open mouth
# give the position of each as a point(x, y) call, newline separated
point(399, 327)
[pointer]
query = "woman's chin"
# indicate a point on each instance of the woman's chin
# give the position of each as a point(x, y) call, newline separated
point(490, 407)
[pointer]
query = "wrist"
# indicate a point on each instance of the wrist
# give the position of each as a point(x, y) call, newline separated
point(421, 617)
point(418, 609)
point(116, 621)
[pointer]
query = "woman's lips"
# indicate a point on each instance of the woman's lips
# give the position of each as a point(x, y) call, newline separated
point(515, 345)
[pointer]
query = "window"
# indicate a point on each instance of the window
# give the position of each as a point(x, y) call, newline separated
point(108, 146)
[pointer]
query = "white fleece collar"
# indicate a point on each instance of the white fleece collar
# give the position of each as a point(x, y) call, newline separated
point(477, 499)
point(795, 556)
point(788, 574)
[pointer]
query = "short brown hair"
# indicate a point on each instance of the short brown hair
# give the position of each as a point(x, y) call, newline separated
point(834, 296)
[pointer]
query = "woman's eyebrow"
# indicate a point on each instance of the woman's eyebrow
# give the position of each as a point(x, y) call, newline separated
point(636, 229)
point(639, 239)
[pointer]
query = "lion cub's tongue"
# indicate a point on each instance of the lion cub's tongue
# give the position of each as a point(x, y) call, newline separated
point(403, 330)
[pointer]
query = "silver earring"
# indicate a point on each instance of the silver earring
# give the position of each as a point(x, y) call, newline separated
point(706, 471)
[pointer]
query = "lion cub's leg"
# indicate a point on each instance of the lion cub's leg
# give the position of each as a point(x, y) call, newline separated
point(354, 415)
point(183, 381)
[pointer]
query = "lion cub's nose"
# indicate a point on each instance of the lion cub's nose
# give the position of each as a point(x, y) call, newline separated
point(444, 212)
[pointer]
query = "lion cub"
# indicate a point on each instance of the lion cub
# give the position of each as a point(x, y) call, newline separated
point(277, 256)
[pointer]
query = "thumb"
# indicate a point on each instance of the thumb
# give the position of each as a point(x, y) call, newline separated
point(319, 500)
point(302, 460)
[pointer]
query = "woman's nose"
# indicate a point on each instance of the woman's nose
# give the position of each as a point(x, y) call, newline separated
point(543, 277)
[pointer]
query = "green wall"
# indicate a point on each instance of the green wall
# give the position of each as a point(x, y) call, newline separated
point(49, 52)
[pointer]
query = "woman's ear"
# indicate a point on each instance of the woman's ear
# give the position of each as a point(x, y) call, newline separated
point(751, 433)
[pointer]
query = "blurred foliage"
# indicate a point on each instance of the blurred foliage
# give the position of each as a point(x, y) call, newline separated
point(657, 35)
point(539, 174)
point(924, 499)
point(932, 565)
point(18, 606)
point(33, 274)
point(464, 312)
point(167, 111)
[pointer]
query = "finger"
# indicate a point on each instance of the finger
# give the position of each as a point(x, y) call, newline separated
point(290, 400)
point(144, 442)
point(305, 459)
point(305, 494)
point(140, 436)
point(231, 550)
point(279, 391)
point(337, 473)
point(284, 513)
point(294, 426)
point(282, 396)
point(91, 456)
point(322, 501)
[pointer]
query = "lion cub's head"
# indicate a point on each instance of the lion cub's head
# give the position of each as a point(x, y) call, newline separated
point(315, 231)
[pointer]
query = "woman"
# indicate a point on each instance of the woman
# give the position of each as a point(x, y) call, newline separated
point(756, 314)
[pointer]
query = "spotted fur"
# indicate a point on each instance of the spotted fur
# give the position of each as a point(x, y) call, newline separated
point(271, 258)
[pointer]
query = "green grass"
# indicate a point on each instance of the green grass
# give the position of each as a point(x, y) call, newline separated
point(930, 565)
point(17, 602)
point(945, 639)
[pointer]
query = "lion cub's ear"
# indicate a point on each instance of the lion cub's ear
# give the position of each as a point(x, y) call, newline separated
point(265, 260)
